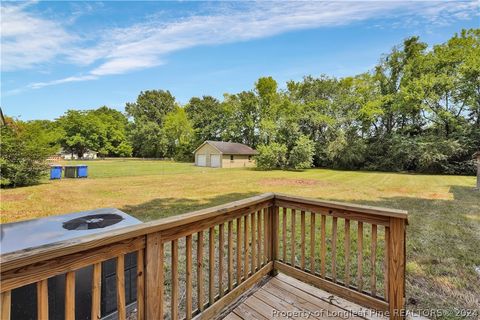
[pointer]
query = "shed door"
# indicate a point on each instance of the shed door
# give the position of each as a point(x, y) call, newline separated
point(215, 160)
point(201, 160)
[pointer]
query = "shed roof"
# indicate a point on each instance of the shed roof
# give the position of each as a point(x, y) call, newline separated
point(230, 147)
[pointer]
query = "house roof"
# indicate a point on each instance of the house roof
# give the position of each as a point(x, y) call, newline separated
point(230, 147)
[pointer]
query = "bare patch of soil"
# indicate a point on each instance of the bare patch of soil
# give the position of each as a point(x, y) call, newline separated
point(13, 197)
point(293, 182)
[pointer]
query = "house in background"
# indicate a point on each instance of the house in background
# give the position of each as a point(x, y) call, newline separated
point(219, 154)
point(88, 155)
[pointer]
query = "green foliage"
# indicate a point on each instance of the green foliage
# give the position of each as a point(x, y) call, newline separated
point(148, 113)
point(417, 110)
point(103, 130)
point(23, 155)
point(346, 151)
point(271, 156)
point(178, 133)
point(301, 155)
point(208, 119)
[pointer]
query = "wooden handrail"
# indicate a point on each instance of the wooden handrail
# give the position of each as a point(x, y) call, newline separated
point(256, 239)
point(394, 226)
point(22, 258)
point(348, 207)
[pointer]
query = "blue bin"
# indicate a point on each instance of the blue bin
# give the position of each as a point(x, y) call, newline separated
point(55, 172)
point(82, 171)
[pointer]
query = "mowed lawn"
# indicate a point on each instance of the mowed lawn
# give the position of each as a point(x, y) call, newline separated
point(443, 240)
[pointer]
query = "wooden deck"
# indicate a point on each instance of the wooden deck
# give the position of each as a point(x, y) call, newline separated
point(284, 297)
point(261, 236)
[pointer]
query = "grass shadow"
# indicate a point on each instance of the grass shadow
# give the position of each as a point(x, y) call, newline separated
point(166, 207)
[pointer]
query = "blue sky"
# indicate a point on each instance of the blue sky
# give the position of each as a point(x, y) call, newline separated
point(81, 55)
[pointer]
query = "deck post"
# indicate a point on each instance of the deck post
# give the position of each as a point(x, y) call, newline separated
point(154, 276)
point(274, 212)
point(396, 269)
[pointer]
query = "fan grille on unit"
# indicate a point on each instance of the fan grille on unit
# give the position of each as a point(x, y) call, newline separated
point(94, 221)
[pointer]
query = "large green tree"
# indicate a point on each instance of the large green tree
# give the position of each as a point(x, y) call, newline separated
point(103, 130)
point(148, 115)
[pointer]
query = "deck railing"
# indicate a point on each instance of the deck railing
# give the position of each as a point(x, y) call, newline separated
point(196, 264)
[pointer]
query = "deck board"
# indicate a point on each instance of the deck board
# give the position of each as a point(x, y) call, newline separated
point(246, 312)
point(284, 293)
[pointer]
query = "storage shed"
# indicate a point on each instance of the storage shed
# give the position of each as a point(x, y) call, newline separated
point(219, 154)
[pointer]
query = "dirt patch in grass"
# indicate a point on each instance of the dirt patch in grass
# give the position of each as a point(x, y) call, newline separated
point(293, 182)
point(13, 197)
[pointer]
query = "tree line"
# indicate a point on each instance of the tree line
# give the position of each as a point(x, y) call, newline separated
point(417, 110)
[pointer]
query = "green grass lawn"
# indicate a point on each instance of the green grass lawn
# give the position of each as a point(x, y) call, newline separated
point(443, 238)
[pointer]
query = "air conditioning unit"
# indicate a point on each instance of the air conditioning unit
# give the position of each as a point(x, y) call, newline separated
point(39, 232)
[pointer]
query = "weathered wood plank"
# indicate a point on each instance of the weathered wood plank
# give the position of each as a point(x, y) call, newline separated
point(259, 239)
point(301, 299)
point(347, 252)
point(154, 260)
point(333, 288)
point(317, 299)
point(174, 292)
point(356, 310)
point(339, 213)
point(334, 249)
point(246, 246)
point(232, 316)
point(200, 278)
point(292, 238)
point(312, 242)
point(245, 312)
point(284, 235)
point(230, 255)
point(140, 285)
point(190, 228)
point(323, 250)
point(239, 251)
point(42, 300)
point(396, 269)
point(387, 212)
point(188, 278)
point(46, 269)
point(70, 295)
point(274, 234)
point(302, 237)
point(254, 242)
point(360, 257)
point(265, 309)
point(5, 305)
point(211, 266)
point(373, 261)
point(32, 256)
point(221, 242)
point(120, 278)
point(96, 291)
point(385, 261)
point(220, 304)
point(266, 236)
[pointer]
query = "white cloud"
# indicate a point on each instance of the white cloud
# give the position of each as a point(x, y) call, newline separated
point(146, 44)
point(39, 85)
point(28, 40)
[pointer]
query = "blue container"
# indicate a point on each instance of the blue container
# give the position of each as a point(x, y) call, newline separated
point(82, 171)
point(55, 172)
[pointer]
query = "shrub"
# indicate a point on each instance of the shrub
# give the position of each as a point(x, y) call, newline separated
point(301, 155)
point(22, 160)
point(271, 156)
point(346, 151)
